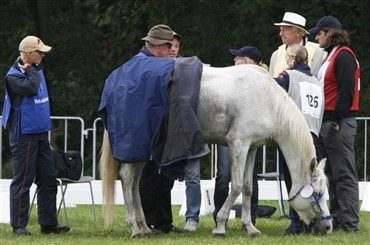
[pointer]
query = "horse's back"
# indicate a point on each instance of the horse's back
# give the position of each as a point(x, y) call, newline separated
point(239, 101)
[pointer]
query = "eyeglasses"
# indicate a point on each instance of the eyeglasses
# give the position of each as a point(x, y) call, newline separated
point(39, 52)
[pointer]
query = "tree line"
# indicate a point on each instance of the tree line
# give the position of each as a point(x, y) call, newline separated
point(93, 37)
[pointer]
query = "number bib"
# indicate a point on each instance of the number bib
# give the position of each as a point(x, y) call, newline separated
point(311, 99)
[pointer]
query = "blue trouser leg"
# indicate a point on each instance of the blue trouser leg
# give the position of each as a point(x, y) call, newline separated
point(46, 186)
point(222, 178)
point(193, 194)
point(254, 198)
point(293, 216)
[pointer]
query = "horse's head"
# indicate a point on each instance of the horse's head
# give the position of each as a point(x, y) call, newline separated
point(309, 201)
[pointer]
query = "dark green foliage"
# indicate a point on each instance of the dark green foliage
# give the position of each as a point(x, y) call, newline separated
point(93, 37)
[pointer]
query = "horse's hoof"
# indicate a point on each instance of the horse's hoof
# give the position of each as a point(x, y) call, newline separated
point(218, 234)
point(138, 235)
point(255, 234)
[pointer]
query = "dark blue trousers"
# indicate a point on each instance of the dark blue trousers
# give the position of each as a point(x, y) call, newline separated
point(32, 162)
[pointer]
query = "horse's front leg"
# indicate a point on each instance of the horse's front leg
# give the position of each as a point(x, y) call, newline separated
point(246, 195)
point(238, 155)
point(128, 173)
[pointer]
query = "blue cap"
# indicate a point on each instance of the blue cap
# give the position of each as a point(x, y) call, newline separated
point(247, 51)
point(326, 22)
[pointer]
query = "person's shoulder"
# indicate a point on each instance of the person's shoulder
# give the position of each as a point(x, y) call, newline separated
point(346, 52)
point(284, 74)
point(312, 44)
point(281, 47)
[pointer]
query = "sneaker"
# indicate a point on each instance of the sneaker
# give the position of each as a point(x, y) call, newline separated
point(21, 231)
point(54, 229)
point(191, 225)
point(290, 231)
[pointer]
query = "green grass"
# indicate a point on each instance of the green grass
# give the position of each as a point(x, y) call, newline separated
point(85, 231)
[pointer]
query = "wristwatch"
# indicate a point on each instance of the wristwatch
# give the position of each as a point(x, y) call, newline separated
point(333, 124)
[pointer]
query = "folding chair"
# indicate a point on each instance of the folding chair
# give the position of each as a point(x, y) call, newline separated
point(64, 182)
point(275, 175)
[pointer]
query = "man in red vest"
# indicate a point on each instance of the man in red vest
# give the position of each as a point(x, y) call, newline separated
point(340, 75)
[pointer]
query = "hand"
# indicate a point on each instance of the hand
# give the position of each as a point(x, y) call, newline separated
point(23, 67)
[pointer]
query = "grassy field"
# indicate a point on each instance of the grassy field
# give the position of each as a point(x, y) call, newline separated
point(85, 231)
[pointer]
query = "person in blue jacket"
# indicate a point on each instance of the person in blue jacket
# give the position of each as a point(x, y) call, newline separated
point(26, 114)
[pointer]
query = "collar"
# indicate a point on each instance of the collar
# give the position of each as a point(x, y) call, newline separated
point(146, 51)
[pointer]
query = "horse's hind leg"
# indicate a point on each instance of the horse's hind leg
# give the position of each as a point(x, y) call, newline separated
point(140, 217)
point(246, 195)
point(129, 173)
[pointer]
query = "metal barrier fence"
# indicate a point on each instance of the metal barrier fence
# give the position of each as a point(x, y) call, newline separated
point(365, 142)
point(96, 129)
point(64, 132)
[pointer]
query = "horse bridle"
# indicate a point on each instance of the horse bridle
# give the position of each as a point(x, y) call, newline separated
point(316, 207)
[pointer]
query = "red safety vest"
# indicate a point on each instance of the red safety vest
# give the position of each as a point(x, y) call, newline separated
point(331, 86)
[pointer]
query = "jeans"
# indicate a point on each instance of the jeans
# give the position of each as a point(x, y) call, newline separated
point(222, 178)
point(193, 195)
point(293, 215)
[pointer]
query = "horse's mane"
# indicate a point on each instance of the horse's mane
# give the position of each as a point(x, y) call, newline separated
point(291, 121)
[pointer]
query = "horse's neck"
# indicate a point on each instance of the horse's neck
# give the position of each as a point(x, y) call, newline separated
point(295, 141)
point(296, 160)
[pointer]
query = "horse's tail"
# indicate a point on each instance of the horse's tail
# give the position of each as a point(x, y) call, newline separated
point(108, 174)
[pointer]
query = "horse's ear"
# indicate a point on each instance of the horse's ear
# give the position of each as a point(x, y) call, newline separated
point(322, 164)
point(313, 165)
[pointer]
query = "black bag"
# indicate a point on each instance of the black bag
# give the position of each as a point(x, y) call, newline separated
point(263, 211)
point(67, 164)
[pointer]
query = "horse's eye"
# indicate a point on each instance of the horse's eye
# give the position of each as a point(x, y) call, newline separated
point(316, 207)
point(318, 194)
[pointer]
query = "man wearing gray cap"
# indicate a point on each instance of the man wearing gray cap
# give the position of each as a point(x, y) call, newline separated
point(340, 75)
point(155, 187)
point(140, 88)
point(26, 114)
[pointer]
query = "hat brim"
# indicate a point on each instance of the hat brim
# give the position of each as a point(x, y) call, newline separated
point(314, 30)
point(236, 52)
point(45, 49)
point(178, 36)
point(155, 41)
point(286, 24)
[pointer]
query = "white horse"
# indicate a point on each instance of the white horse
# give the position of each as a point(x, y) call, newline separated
point(241, 107)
